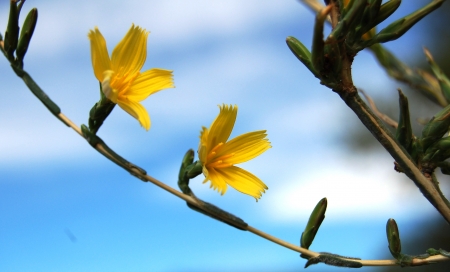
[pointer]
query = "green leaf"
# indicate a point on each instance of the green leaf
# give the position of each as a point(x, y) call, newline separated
point(385, 11)
point(404, 133)
point(26, 34)
point(183, 180)
point(393, 237)
point(317, 56)
point(396, 29)
point(12, 30)
point(444, 82)
point(315, 220)
point(438, 152)
point(302, 53)
point(436, 128)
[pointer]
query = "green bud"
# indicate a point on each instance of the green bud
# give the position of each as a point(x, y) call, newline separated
point(19, 7)
point(444, 82)
point(438, 152)
point(372, 10)
point(385, 11)
point(318, 43)
point(369, 15)
point(194, 169)
point(350, 21)
point(26, 33)
point(396, 29)
point(436, 128)
point(314, 222)
point(404, 133)
point(12, 30)
point(393, 237)
point(183, 180)
point(302, 53)
point(345, 8)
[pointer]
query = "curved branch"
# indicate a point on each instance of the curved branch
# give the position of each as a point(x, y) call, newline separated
point(388, 120)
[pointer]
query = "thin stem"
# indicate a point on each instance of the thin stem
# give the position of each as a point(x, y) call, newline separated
point(383, 135)
point(71, 124)
point(378, 113)
point(415, 261)
point(355, 104)
point(348, 92)
point(283, 243)
point(249, 228)
point(315, 6)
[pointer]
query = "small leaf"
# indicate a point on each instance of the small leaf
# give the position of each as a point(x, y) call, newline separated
point(302, 53)
point(444, 82)
point(26, 34)
point(396, 29)
point(404, 133)
point(393, 237)
point(12, 30)
point(385, 11)
point(315, 220)
point(436, 128)
point(183, 180)
point(318, 43)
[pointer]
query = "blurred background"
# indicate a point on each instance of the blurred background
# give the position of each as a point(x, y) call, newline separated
point(64, 207)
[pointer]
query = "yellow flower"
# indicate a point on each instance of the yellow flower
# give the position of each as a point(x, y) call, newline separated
point(120, 76)
point(218, 156)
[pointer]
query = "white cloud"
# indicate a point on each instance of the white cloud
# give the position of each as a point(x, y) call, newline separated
point(363, 187)
point(226, 73)
point(64, 24)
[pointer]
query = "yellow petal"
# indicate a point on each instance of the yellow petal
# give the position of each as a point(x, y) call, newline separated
point(243, 181)
point(244, 147)
point(136, 110)
point(149, 82)
point(222, 126)
point(129, 55)
point(217, 180)
point(99, 54)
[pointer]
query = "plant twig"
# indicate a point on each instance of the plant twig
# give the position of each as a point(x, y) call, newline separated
point(315, 6)
point(348, 92)
point(193, 201)
point(384, 136)
point(380, 115)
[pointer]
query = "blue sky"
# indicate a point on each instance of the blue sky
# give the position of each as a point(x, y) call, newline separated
point(66, 208)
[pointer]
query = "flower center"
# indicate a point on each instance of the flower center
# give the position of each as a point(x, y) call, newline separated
point(115, 85)
point(218, 162)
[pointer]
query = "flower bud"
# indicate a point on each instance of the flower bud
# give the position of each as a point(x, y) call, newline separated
point(438, 152)
point(301, 52)
point(436, 128)
point(314, 222)
point(443, 80)
point(12, 30)
point(386, 10)
point(26, 33)
point(404, 133)
point(393, 237)
point(396, 29)
point(183, 180)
